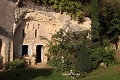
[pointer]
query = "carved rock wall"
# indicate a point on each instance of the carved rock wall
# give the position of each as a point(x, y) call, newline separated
point(36, 23)
point(6, 26)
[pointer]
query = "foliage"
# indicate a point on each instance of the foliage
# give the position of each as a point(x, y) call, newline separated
point(16, 64)
point(84, 63)
point(105, 15)
point(73, 50)
point(65, 49)
point(95, 21)
point(99, 55)
point(75, 8)
point(109, 15)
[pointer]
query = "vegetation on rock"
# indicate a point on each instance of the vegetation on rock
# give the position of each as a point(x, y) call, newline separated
point(77, 9)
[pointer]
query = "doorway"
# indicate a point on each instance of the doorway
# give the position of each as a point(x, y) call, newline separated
point(39, 53)
point(24, 50)
point(0, 46)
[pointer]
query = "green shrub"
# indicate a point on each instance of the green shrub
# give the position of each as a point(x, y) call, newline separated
point(84, 63)
point(60, 65)
point(99, 55)
point(64, 52)
point(16, 64)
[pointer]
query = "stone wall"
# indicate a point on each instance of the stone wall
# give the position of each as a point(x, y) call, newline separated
point(6, 26)
point(36, 23)
point(6, 18)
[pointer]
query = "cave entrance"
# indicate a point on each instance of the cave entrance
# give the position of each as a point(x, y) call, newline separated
point(39, 53)
point(24, 50)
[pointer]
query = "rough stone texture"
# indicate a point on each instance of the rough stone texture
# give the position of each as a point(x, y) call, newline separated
point(36, 23)
point(6, 18)
point(6, 26)
point(52, 22)
point(29, 24)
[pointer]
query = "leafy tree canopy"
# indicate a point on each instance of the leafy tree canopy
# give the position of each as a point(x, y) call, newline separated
point(109, 16)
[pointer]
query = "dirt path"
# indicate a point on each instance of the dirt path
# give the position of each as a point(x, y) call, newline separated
point(41, 66)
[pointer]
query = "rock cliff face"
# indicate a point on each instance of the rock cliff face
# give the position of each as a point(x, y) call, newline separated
point(35, 23)
point(51, 22)
point(29, 25)
point(6, 27)
point(6, 18)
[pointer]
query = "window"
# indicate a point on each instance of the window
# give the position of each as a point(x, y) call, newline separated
point(35, 33)
point(23, 33)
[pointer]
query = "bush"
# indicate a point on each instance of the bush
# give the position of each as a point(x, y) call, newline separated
point(99, 55)
point(16, 64)
point(64, 52)
point(60, 65)
point(84, 63)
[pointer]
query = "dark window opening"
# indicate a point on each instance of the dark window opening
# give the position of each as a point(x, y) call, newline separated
point(20, 3)
point(38, 53)
point(23, 33)
point(35, 33)
point(24, 50)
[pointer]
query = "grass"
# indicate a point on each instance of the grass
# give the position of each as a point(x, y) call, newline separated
point(32, 74)
point(111, 73)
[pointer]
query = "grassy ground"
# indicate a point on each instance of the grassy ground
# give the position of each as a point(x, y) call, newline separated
point(32, 74)
point(111, 73)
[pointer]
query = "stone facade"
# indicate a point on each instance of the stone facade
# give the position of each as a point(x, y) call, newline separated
point(6, 35)
point(29, 24)
point(36, 23)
